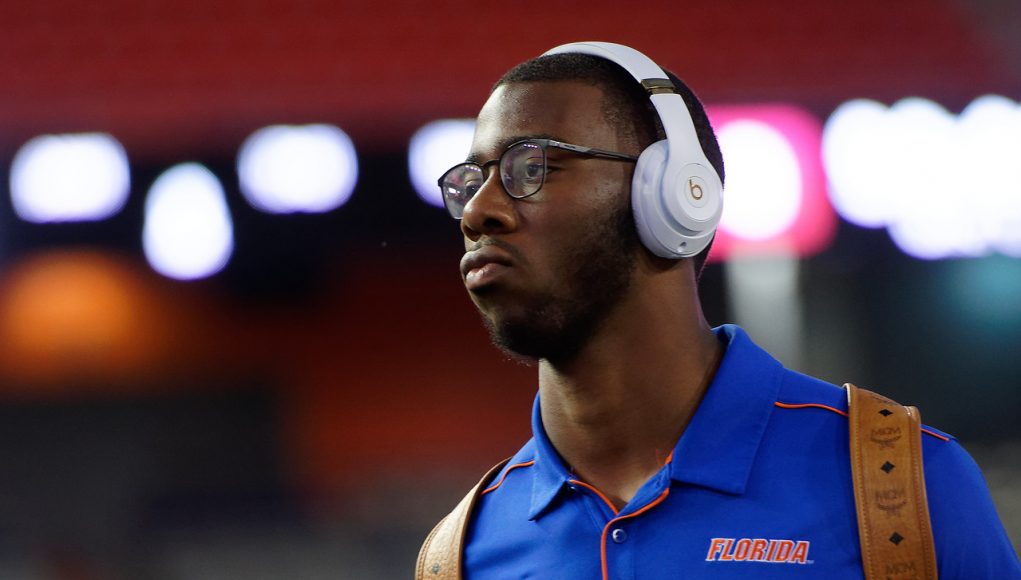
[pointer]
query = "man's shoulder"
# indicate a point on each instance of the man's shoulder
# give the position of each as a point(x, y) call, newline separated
point(801, 391)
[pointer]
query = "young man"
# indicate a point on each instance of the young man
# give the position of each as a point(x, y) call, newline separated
point(662, 448)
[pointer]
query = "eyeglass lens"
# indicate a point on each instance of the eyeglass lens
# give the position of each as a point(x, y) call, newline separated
point(522, 172)
point(523, 169)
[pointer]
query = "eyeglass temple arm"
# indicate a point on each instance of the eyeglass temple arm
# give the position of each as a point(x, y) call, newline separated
point(590, 150)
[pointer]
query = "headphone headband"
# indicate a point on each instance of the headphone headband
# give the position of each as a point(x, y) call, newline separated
point(637, 64)
point(677, 123)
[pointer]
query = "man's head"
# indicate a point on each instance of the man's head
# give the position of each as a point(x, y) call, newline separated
point(626, 104)
point(547, 270)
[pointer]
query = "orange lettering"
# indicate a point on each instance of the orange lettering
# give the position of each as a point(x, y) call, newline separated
point(727, 555)
point(783, 550)
point(758, 550)
point(743, 546)
point(771, 556)
point(715, 547)
point(800, 555)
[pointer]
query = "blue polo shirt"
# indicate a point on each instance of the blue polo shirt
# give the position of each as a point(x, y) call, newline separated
point(758, 486)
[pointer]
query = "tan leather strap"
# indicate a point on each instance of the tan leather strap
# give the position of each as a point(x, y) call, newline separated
point(443, 550)
point(889, 488)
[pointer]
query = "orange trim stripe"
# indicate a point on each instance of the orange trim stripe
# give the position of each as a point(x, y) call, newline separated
point(597, 492)
point(804, 405)
point(844, 413)
point(508, 470)
point(936, 435)
point(606, 529)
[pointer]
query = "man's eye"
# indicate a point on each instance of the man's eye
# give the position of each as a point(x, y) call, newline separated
point(533, 171)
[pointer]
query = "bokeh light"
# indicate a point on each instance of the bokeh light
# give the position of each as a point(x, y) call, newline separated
point(943, 185)
point(188, 230)
point(764, 186)
point(298, 168)
point(434, 148)
point(70, 177)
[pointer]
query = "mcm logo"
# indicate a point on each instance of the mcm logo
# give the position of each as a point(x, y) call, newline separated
point(891, 501)
point(885, 436)
point(901, 570)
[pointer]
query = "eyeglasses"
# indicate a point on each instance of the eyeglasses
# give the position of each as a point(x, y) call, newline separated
point(522, 172)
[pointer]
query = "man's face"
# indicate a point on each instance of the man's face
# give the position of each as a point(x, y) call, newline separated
point(545, 270)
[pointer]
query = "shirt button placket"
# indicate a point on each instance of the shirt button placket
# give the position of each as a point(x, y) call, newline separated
point(620, 553)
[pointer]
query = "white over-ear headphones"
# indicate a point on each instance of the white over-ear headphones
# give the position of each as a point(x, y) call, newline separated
point(676, 195)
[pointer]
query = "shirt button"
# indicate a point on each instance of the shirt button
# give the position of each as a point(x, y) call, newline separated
point(619, 535)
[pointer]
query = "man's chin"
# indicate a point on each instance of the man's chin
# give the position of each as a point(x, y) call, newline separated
point(529, 340)
point(515, 347)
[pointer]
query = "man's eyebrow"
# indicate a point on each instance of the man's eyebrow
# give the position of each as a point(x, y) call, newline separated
point(506, 142)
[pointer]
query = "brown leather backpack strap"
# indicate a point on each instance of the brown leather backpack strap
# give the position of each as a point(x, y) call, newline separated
point(443, 549)
point(889, 488)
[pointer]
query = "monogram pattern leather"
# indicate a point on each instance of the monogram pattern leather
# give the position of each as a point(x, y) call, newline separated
point(889, 488)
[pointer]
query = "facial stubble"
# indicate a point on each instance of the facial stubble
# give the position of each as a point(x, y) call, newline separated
point(597, 269)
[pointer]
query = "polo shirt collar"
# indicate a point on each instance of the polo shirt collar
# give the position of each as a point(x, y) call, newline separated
point(719, 445)
point(550, 474)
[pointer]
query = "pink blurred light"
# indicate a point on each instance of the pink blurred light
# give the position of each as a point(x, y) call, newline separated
point(814, 226)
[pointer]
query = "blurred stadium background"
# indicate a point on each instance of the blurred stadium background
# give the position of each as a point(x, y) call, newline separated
point(199, 382)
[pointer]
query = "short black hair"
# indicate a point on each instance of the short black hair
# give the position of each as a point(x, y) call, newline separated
point(626, 105)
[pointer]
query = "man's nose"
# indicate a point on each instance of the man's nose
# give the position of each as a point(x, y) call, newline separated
point(490, 211)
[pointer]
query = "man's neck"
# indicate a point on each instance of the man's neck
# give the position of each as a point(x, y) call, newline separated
point(615, 411)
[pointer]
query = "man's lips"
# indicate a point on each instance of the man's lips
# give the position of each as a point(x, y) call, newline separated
point(479, 267)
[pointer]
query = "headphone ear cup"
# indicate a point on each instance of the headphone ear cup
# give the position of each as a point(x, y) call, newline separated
point(645, 202)
point(676, 209)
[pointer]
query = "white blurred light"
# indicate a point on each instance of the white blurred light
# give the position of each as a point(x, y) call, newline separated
point(188, 231)
point(435, 148)
point(75, 177)
point(290, 168)
point(856, 154)
point(991, 138)
point(764, 189)
point(943, 185)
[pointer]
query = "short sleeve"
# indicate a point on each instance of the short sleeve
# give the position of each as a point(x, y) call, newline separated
point(969, 537)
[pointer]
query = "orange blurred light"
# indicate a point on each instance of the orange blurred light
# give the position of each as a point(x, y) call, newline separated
point(76, 316)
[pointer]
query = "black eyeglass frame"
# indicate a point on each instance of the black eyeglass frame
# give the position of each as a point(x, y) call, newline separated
point(543, 144)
